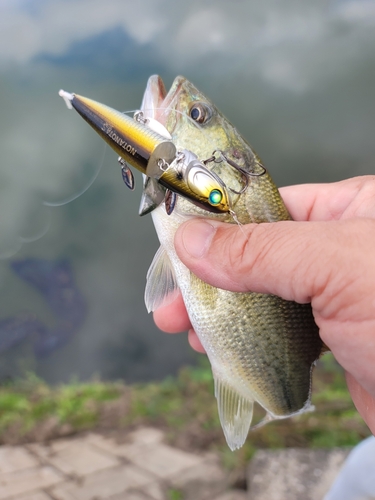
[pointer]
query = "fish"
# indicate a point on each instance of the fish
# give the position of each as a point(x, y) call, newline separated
point(261, 348)
point(14, 330)
point(54, 280)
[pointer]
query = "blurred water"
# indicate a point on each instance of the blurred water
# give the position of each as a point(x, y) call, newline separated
point(296, 78)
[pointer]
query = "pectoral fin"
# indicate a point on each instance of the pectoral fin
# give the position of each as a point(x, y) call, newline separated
point(161, 285)
point(152, 196)
point(235, 412)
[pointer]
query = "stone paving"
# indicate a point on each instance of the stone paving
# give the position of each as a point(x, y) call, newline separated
point(144, 467)
point(95, 467)
point(293, 474)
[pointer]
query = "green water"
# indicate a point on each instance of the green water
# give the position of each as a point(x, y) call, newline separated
point(297, 80)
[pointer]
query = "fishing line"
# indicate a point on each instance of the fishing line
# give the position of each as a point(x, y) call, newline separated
point(89, 184)
point(83, 190)
point(40, 234)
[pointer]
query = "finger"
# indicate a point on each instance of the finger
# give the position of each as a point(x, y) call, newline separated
point(195, 342)
point(297, 261)
point(173, 318)
point(363, 400)
point(267, 258)
point(349, 198)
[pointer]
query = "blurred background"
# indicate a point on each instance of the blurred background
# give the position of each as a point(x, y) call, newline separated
point(297, 78)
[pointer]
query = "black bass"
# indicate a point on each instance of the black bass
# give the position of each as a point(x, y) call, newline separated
point(261, 347)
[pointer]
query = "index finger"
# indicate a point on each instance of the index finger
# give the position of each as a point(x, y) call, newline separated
point(338, 200)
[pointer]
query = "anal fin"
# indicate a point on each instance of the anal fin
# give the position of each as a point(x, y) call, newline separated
point(235, 412)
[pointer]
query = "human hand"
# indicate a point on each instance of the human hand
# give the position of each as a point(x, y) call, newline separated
point(327, 261)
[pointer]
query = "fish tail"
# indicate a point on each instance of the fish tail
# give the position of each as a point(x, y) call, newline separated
point(308, 407)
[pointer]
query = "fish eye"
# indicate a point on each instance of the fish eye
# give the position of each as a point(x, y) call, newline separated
point(200, 112)
point(215, 197)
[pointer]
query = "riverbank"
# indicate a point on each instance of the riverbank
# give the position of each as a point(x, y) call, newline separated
point(183, 407)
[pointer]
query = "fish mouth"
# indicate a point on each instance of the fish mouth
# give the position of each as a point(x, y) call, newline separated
point(157, 103)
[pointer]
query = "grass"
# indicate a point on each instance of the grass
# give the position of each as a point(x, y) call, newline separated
point(27, 404)
point(184, 406)
point(174, 494)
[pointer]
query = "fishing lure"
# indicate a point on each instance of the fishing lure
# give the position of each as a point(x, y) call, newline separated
point(168, 171)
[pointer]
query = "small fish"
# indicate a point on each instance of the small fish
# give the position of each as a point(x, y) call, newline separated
point(261, 348)
point(16, 329)
point(54, 280)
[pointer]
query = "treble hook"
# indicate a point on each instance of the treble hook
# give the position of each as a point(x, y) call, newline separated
point(245, 173)
point(237, 167)
point(138, 117)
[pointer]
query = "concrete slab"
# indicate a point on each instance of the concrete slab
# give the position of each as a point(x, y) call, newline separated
point(38, 495)
point(233, 495)
point(156, 491)
point(143, 436)
point(145, 450)
point(13, 458)
point(27, 481)
point(74, 456)
point(103, 484)
point(146, 435)
point(204, 481)
point(131, 495)
point(162, 460)
point(295, 474)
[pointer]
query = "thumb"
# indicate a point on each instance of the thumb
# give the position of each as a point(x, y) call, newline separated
point(283, 258)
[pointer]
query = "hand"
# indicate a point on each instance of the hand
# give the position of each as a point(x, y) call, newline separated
point(328, 261)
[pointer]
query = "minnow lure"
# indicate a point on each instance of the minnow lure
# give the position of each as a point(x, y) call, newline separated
point(169, 171)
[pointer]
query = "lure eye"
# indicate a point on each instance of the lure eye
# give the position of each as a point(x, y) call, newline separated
point(200, 112)
point(207, 187)
point(215, 197)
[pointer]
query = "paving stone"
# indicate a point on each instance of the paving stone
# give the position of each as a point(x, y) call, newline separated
point(103, 485)
point(204, 481)
point(233, 495)
point(13, 458)
point(27, 480)
point(131, 495)
point(74, 456)
point(293, 474)
point(143, 436)
point(106, 444)
point(38, 495)
point(162, 460)
point(146, 435)
point(156, 491)
point(147, 452)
